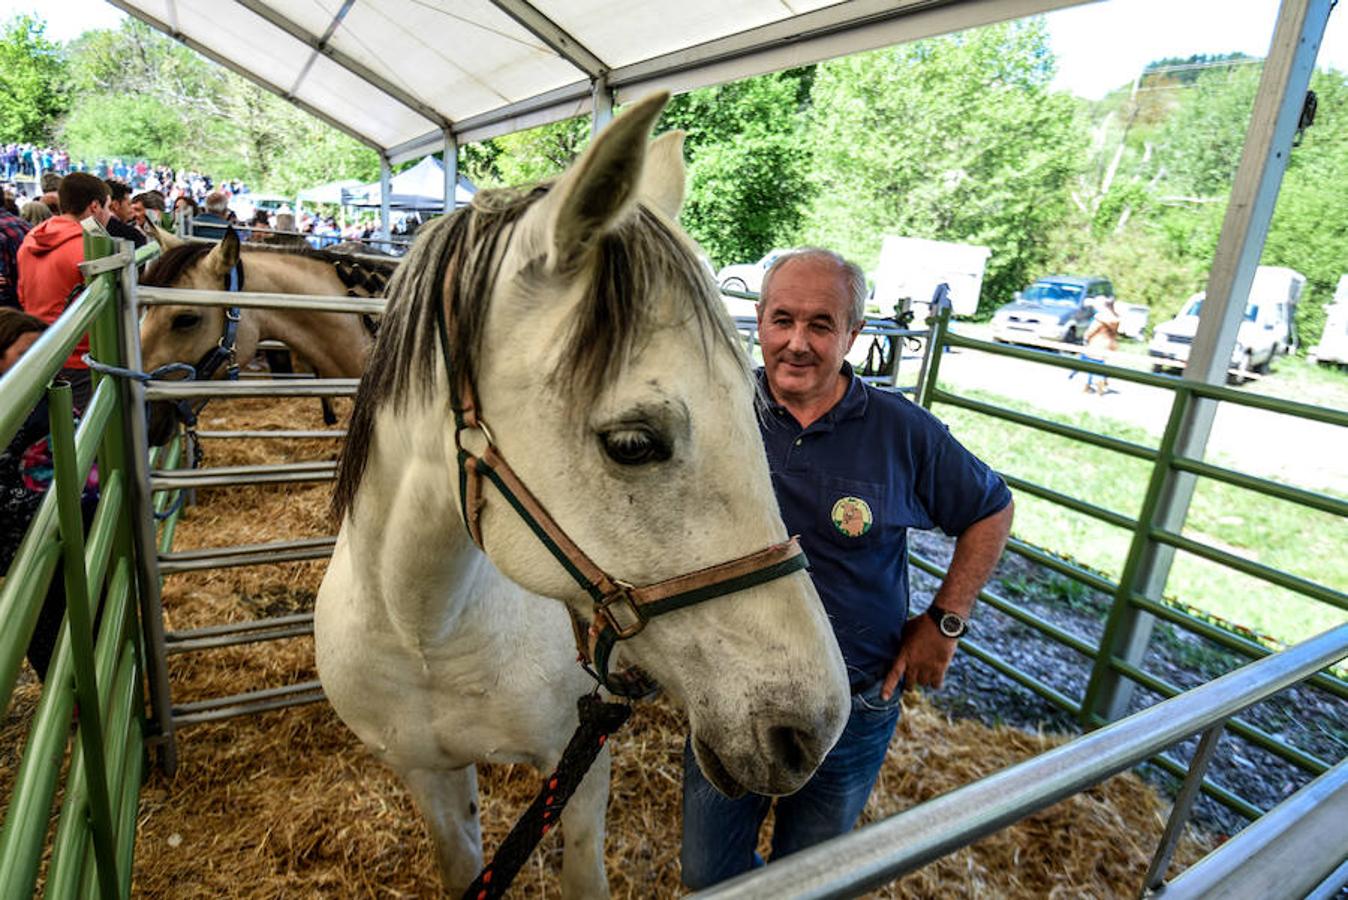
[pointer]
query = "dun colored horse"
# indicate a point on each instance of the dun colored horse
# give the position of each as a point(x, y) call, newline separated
point(332, 345)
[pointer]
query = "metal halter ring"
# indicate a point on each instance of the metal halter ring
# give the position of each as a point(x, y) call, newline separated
point(623, 600)
point(479, 425)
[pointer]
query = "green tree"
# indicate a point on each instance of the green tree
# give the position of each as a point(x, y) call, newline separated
point(1309, 231)
point(748, 163)
point(525, 156)
point(955, 138)
point(1197, 152)
point(748, 186)
point(141, 94)
point(32, 81)
point(120, 125)
point(1199, 147)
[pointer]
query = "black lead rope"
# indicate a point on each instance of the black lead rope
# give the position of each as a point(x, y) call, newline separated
point(598, 719)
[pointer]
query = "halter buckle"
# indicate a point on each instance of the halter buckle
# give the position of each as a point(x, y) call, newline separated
point(621, 612)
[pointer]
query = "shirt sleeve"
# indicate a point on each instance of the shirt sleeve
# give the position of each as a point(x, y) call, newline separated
point(954, 486)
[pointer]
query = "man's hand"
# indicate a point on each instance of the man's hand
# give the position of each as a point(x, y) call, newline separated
point(924, 655)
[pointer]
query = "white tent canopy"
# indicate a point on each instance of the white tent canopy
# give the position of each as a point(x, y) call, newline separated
point(330, 192)
point(420, 187)
point(405, 75)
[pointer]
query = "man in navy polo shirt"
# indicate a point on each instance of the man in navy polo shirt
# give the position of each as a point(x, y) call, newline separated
point(853, 468)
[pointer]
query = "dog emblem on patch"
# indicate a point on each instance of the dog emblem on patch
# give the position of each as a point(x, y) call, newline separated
point(852, 516)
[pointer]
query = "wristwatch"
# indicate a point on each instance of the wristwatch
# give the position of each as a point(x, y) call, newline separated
point(952, 625)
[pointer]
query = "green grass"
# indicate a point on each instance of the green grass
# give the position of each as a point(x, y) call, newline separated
point(1307, 543)
point(1293, 378)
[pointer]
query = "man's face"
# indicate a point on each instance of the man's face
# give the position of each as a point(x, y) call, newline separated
point(805, 329)
point(138, 213)
point(120, 208)
point(99, 211)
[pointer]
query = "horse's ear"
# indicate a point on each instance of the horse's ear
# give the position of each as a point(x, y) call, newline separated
point(662, 182)
point(224, 255)
point(603, 184)
point(166, 240)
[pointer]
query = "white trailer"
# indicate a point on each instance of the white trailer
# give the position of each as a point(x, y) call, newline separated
point(911, 268)
point(1333, 346)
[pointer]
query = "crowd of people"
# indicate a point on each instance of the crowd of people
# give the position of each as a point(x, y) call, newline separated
point(28, 162)
point(29, 174)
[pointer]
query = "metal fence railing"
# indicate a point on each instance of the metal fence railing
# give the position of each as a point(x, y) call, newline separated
point(96, 667)
point(849, 865)
point(1127, 592)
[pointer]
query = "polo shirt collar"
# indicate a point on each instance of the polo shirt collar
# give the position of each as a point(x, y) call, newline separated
point(851, 406)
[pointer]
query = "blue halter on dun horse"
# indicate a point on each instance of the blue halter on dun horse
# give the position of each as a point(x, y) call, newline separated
point(636, 493)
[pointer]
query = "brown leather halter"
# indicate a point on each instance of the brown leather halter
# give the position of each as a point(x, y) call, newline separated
point(621, 610)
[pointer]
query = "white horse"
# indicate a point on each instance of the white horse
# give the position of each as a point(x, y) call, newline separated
point(634, 424)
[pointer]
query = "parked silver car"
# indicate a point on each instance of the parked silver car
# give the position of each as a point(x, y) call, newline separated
point(1051, 309)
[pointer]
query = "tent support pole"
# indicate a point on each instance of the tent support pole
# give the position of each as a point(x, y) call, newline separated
point(385, 189)
point(1268, 144)
point(451, 170)
point(602, 98)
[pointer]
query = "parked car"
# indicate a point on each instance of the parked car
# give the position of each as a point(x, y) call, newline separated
point(1266, 329)
point(1051, 309)
point(747, 276)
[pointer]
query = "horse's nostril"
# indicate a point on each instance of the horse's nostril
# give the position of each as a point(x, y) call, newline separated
point(790, 748)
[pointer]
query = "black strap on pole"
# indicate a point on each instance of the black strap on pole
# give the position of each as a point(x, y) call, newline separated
point(598, 719)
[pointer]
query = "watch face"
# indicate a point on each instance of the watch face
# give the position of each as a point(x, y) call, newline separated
point(952, 625)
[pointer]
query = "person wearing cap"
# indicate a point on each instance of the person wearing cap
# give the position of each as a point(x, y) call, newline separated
point(853, 467)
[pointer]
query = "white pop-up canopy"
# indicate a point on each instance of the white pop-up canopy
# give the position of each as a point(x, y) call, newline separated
point(405, 75)
point(328, 193)
point(420, 187)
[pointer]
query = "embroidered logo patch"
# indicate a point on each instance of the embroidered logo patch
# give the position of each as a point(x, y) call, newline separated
point(852, 516)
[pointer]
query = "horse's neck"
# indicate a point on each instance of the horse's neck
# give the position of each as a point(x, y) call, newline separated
point(407, 542)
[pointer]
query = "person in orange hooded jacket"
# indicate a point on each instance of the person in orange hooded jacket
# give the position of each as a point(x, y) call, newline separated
point(49, 260)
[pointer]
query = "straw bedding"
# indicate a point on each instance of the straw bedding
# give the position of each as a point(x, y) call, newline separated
point(288, 804)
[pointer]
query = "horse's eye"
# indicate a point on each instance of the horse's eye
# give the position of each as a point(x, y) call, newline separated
point(635, 446)
point(186, 321)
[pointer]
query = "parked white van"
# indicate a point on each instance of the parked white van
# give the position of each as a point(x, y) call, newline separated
point(1266, 330)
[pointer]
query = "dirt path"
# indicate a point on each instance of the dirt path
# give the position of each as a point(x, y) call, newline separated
point(1308, 454)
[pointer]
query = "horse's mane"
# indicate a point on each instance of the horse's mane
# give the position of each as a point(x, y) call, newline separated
point(362, 272)
point(454, 262)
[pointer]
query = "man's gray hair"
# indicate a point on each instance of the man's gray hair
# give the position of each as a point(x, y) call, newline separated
point(217, 202)
point(854, 278)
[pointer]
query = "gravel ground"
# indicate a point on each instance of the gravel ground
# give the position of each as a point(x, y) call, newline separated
point(1307, 718)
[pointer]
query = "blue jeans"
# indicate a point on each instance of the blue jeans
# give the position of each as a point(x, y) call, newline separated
point(1090, 376)
point(720, 834)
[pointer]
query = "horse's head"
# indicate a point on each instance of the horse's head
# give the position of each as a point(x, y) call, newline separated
point(614, 386)
point(187, 334)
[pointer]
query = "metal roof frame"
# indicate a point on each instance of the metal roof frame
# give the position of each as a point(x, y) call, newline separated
point(846, 27)
point(839, 30)
point(320, 46)
point(551, 34)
